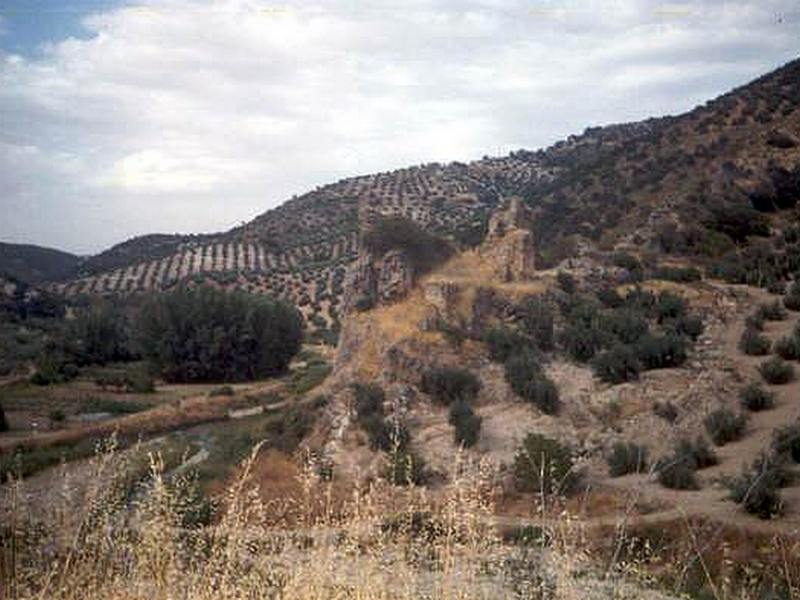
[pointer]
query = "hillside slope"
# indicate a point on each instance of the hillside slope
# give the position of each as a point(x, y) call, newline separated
point(35, 264)
point(654, 184)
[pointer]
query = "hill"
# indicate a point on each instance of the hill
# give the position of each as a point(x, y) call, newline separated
point(35, 264)
point(674, 184)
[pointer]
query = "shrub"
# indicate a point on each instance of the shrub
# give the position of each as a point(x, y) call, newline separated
point(724, 426)
point(776, 371)
point(405, 468)
point(537, 322)
point(609, 297)
point(630, 263)
point(666, 410)
point(755, 398)
point(677, 474)
point(669, 306)
point(679, 274)
point(543, 465)
point(566, 282)
point(677, 471)
point(755, 321)
point(583, 342)
point(626, 458)
point(369, 399)
point(786, 442)
point(224, 390)
point(756, 489)
point(661, 351)
point(772, 311)
point(699, 452)
point(617, 365)
point(447, 385)
point(754, 343)
point(206, 334)
point(690, 325)
point(467, 424)
point(139, 383)
point(792, 301)
point(528, 381)
point(100, 334)
point(625, 325)
point(503, 343)
point(788, 348)
point(423, 250)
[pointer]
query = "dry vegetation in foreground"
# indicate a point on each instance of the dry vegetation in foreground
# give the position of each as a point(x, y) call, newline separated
point(139, 532)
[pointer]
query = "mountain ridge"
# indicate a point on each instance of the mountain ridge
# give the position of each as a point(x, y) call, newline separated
point(634, 179)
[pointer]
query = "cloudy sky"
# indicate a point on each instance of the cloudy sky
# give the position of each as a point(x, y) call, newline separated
point(123, 117)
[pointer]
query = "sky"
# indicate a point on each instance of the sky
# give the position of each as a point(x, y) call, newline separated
point(123, 117)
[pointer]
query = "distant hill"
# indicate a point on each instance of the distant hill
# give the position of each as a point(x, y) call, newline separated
point(659, 185)
point(35, 264)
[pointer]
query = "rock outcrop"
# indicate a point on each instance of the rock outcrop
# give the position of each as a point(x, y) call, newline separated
point(371, 281)
point(509, 245)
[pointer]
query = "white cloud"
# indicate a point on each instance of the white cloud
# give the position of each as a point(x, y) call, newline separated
point(194, 115)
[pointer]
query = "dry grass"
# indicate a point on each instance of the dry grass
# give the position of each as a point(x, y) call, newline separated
point(134, 533)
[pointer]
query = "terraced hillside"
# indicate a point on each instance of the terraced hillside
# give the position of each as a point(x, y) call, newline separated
point(658, 184)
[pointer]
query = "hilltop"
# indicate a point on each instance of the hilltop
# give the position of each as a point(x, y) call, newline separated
point(659, 182)
point(35, 264)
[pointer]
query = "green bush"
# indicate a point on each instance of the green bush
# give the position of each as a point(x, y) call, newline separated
point(755, 321)
point(754, 343)
point(661, 351)
point(669, 306)
point(423, 250)
point(449, 384)
point(543, 465)
point(609, 297)
point(757, 489)
point(537, 322)
point(627, 326)
point(786, 442)
point(776, 371)
point(582, 342)
point(617, 365)
point(566, 282)
point(369, 399)
point(526, 379)
point(677, 474)
point(700, 453)
point(626, 458)
point(724, 426)
point(466, 423)
point(788, 348)
point(690, 326)
point(678, 274)
point(206, 334)
point(772, 311)
point(405, 468)
point(224, 390)
point(755, 398)
point(503, 343)
point(677, 471)
point(100, 334)
point(792, 301)
point(666, 410)
point(630, 263)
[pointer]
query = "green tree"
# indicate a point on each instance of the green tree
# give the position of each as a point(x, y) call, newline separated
point(206, 334)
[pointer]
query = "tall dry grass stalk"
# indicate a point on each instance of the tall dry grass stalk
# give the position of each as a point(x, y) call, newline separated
point(131, 530)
